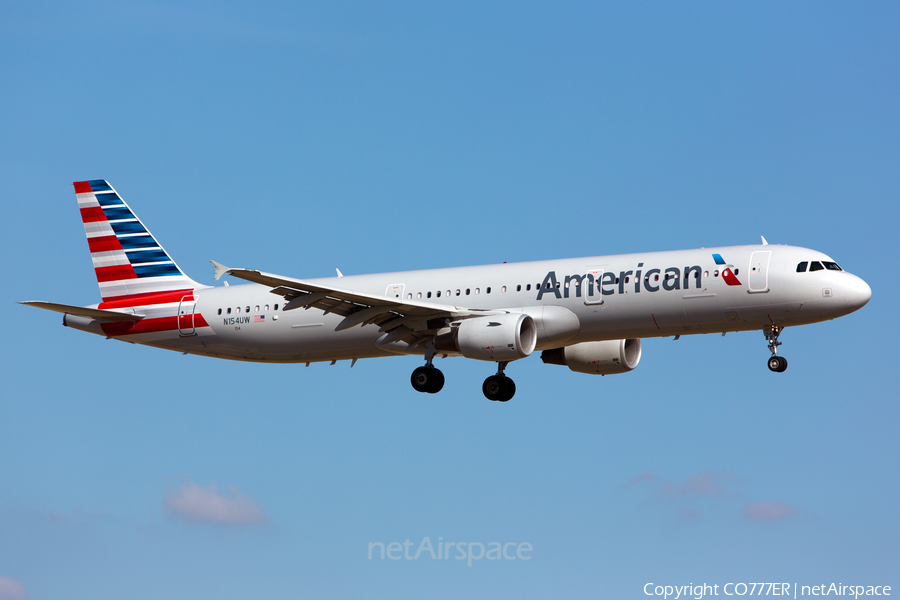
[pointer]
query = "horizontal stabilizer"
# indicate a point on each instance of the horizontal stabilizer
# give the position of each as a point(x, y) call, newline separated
point(93, 313)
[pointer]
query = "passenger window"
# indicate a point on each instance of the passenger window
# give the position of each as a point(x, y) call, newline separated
point(409, 296)
point(276, 307)
point(503, 289)
point(429, 294)
point(457, 292)
point(467, 291)
point(267, 308)
point(801, 268)
point(519, 288)
point(238, 310)
point(228, 311)
point(439, 294)
point(488, 290)
point(256, 309)
point(220, 311)
point(737, 271)
point(419, 296)
point(815, 266)
point(528, 288)
point(477, 291)
point(247, 309)
point(831, 266)
point(448, 292)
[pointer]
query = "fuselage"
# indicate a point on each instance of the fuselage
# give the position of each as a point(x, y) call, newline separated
point(641, 295)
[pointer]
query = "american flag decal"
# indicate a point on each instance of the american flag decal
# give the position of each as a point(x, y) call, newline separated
point(259, 319)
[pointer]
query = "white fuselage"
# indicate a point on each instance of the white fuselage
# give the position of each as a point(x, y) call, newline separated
point(638, 295)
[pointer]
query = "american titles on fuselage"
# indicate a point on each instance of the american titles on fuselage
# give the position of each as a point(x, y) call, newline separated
point(608, 283)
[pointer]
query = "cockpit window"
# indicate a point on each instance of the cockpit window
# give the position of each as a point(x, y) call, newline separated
point(815, 266)
point(831, 266)
point(801, 268)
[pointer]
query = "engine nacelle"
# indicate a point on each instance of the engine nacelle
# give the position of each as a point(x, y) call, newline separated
point(597, 358)
point(495, 338)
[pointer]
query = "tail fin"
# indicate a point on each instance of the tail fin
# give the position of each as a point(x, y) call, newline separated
point(128, 260)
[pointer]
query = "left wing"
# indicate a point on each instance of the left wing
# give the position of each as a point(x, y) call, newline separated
point(403, 319)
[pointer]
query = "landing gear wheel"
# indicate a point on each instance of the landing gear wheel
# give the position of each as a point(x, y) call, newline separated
point(427, 379)
point(498, 388)
point(438, 383)
point(510, 390)
point(778, 364)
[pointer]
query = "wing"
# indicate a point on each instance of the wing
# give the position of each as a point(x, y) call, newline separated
point(94, 313)
point(404, 319)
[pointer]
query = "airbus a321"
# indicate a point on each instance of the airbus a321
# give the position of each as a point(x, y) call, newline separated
point(588, 314)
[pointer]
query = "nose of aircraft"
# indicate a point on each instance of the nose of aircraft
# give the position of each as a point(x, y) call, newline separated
point(856, 292)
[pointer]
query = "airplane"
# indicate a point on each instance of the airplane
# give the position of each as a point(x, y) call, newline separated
point(588, 314)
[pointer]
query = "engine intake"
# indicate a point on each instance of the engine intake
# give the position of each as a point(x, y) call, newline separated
point(495, 338)
point(597, 358)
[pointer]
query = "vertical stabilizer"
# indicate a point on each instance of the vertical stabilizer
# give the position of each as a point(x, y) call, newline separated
point(128, 260)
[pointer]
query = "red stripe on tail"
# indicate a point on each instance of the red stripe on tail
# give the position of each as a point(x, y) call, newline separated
point(146, 299)
point(82, 187)
point(115, 273)
point(92, 214)
point(106, 243)
point(150, 325)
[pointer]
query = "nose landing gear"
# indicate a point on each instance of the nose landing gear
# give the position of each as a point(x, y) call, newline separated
point(777, 364)
point(499, 387)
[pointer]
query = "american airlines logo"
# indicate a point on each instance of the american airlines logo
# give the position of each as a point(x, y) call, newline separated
point(727, 272)
point(651, 280)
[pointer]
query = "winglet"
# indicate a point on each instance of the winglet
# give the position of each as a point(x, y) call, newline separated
point(220, 269)
point(339, 272)
point(764, 242)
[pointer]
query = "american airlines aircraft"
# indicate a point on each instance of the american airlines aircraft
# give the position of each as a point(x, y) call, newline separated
point(588, 314)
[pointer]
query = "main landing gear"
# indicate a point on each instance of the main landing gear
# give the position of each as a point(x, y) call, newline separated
point(777, 364)
point(499, 387)
point(427, 379)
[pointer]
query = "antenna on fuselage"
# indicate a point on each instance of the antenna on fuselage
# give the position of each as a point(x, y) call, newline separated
point(765, 243)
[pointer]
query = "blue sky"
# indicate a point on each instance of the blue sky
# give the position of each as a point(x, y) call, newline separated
point(298, 138)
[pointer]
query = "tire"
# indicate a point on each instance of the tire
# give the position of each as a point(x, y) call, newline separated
point(510, 390)
point(493, 387)
point(775, 364)
point(422, 379)
point(783, 366)
point(437, 381)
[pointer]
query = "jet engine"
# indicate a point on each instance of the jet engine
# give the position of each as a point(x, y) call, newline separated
point(597, 358)
point(497, 338)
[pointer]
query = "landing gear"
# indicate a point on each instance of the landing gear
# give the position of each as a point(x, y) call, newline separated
point(777, 364)
point(427, 379)
point(499, 387)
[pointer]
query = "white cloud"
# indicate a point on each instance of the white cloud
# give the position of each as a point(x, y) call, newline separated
point(197, 504)
point(10, 589)
point(645, 477)
point(707, 483)
point(769, 511)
